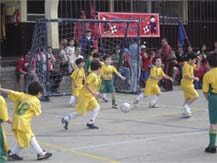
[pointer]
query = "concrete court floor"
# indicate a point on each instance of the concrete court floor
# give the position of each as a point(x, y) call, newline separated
point(143, 135)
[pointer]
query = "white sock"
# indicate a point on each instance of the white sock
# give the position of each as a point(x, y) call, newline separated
point(71, 116)
point(16, 150)
point(36, 146)
point(140, 97)
point(155, 99)
point(72, 100)
point(93, 114)
point(187, 108)
point(104, 95)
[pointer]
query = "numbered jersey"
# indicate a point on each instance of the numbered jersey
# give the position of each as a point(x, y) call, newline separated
point(26, 107)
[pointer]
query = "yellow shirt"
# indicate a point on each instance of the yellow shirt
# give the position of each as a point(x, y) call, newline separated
point(108, 71)
point(26, 107)
point(210, 79)
point(155, 72)
point(78, 77)
point(3, 110)
point(187, 70)
point(94, 81)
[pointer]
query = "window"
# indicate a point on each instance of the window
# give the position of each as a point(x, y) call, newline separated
point(35, 10)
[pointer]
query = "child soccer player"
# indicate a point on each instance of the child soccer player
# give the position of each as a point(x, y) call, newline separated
point(187, 85)
point(27, 106)
point(210, 92)
point(87, 100)
point(4, 147)
point(107, 79)
point(151, 87)
point(78, 77)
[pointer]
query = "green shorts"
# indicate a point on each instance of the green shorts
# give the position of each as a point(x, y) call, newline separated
point(212, 105)
point(107, 86)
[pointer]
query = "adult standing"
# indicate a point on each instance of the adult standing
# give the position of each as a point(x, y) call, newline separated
point(169, 60)
point(134, 54)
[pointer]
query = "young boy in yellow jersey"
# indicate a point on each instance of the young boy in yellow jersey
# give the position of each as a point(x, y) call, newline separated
point(4, 147)
point(152, 88)
point(78, 77)
point(87, 100)
point(187, 85)
point(210, 92)
point(107, 79)
point(27, 106)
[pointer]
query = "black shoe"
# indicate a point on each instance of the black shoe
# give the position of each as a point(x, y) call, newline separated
point(104, 99)
point(65, 124)
point(44, 157)
point(210, 149)
point(14, 157)
point(92, 126)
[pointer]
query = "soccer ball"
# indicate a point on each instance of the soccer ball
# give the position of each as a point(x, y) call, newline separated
point(125, 107)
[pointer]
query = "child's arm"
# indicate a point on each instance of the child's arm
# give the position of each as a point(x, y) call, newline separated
point(191, 78)
point(155, 77)
point(96, 94)
point(6, 91)
point(168, 77)
point(119, 75)
point(74, 83)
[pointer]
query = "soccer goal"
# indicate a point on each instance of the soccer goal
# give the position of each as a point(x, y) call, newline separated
point(83, 38)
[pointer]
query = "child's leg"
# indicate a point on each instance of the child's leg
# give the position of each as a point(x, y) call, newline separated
point(36, 146)
point(72, 100)
point(114, 105)
point(139, 98)
point(92, 117)
point(15, 150)
point(187, 104)
point(212, 135)
point(71, 116)
point(153, 103)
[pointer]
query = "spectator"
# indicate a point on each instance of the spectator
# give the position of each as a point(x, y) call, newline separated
point(80, 27)
point(116, 57)
point(125, 65)
point(86, 44)
point(169, 60)
point(70, 52)
point(63, 59)
point(180, 57)
point(145, 64)
point(134, 55)
point(77, 55)
point(23, 70)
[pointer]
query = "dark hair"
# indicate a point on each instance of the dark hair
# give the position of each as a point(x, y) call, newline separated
point(96, 55)
point(191, 56)
point(106, 56)
point(212, 59)
point(34, 88)
point(78, 61)
point(95, 65)
point(155, 58)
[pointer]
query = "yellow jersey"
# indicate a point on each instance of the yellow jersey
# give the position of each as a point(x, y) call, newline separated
point(210, 81)
point(155, 72)
point(94, 81)
point(187, 70)
point(3, 110)
point(78, 77)
point(26, 107)
point(108, 71)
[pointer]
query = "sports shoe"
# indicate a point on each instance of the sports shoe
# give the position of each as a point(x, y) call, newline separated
point(210, 149)
point(44, 157)
point(186, 115)
point(92, 126)
point(105, 100)
point(14, 157)
point(65, 123)
point(153, 105)
point(135, 103)
point(114, 106)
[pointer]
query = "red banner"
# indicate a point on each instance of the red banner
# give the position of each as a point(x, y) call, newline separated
point(149, 24)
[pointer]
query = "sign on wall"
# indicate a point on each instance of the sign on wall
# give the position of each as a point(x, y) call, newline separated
point(149, 24)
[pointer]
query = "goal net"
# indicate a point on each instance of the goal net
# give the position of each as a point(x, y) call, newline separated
point(83, 38)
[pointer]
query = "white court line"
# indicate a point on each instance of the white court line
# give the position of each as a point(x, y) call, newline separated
point(139, 140)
